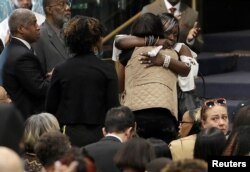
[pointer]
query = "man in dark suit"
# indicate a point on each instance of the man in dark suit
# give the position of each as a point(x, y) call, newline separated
point(23, 77)
point(119, 127)
point(189, 30)
point(50, 48)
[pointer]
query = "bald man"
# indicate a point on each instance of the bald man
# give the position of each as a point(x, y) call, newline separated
point(10, 161)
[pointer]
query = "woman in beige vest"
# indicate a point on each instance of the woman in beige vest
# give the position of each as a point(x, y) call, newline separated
point(151, 92)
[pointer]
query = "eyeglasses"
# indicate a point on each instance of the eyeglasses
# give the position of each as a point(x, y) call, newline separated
point(211, 103)
point(61, 4)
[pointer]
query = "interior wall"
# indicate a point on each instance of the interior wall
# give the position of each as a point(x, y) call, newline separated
point(224, 15)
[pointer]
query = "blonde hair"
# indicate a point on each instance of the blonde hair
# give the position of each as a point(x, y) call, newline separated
point(186, 165)
point(35, 126)
point(204, 108)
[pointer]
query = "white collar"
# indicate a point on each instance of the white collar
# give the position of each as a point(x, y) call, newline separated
point(168, 5)
point(113, 135)
point(23, 41)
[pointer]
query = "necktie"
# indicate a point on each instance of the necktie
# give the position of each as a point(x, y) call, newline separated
point(172, 10)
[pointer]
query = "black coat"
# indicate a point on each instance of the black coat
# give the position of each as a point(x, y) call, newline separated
point(103, 153)
point(82, 90)
point(23, 78)
point(50, 49)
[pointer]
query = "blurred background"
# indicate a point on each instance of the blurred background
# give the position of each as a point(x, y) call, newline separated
point(215, 15)
point(225, 59)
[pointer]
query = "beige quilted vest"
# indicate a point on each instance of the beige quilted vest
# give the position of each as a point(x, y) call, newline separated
point(150, 87)
point(183, 148)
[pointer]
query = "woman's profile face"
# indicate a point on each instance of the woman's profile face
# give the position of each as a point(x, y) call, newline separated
point(185, 125)
point(171, 35)
point(217, 116)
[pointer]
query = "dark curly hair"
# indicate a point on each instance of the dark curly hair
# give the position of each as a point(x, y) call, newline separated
point(82, 33)
point(51, 147)
point(147, 24)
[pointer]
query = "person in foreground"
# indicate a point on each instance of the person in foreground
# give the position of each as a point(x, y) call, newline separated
point(23, 77)
point(83, 88)
point(156, 75)
point(189, 127)
point(11, 127)
point(119, 126)
point(10, 161)
point(213, 113)
point(35, 126)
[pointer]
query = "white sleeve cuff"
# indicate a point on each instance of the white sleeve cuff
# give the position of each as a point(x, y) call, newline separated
point(116, 52)
point(187, 83)
point(178, 46)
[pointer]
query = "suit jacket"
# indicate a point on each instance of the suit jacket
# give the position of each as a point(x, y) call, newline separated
point(82, 90)
point(188, 18)
point(103, 153)
point(49, 48)
point(23, 78)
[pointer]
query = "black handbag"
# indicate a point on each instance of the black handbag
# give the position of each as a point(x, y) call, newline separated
point(189, 100)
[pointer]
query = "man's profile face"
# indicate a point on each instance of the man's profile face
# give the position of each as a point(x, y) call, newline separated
point(31, 31)
point(60, 11)
point(22, 4)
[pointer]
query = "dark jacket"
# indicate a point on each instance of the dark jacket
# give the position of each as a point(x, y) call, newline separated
point(83, 89)
point(103, 153)
point(50, 48)
point(23, 78)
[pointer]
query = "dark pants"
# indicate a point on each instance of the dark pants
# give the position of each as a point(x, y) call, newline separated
point(82, 135)
point(157, 123)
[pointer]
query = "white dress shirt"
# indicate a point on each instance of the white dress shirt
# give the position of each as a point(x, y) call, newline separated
point(177, 7)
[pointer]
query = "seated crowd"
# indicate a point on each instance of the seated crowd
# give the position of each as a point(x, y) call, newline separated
point(39, 145)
